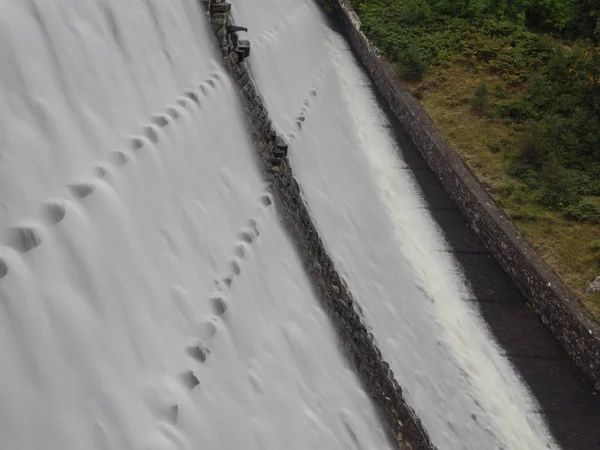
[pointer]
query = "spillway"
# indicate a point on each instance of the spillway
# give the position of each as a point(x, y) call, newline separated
point(374, 223)
point(150, 297)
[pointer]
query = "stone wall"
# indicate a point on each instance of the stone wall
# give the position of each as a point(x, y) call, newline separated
point(549, 297)
point(404, 427)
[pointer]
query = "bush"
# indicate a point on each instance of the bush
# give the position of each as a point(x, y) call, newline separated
point(507, 188)
point(589, 183)
point(553, 15)
point(411, 65)
point(528, 173)
point(584, 211)
point(494, 146)
point(558, 189)
point(571, 138)
point(595, 246)
point(480, 100)
point(415, 12)
point(588, 12)
point(538, 141)
point(518, 111)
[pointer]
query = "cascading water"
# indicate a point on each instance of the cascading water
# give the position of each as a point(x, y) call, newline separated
point(141, 254)
point(149, 298)
point(383, 240)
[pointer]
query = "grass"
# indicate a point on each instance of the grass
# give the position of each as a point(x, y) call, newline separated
point(488, 145)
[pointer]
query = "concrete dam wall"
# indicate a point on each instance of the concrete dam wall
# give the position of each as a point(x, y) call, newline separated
point(214, 234)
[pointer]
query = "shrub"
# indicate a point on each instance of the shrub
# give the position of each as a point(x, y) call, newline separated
point(534, 142)
point(528, 173)
point(506, 188)
point(411, 65)
point(589, 182)
point(570, 139)
point(415, 12)
point(584, 211)
point(480, 100)
point(588, 12)
point(494, 146)
point(518, 111)
point(558, 189)
point(595, 246)
point(553, 15)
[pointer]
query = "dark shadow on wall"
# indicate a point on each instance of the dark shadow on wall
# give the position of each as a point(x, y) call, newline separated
point(566, 396)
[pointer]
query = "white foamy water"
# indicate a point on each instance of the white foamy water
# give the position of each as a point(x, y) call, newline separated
point(148, 251)
point(372, 219)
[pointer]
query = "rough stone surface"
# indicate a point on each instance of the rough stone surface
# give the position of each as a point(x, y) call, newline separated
point(594, 286)
point(549, 297)
point(404, 427)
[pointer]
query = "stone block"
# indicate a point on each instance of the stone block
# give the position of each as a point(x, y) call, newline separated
point(219, 7)
point(221, 32)
point(233, 59)
point(243, 47)
point(218, 19)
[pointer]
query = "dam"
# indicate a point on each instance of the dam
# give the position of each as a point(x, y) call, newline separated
point(150, 295)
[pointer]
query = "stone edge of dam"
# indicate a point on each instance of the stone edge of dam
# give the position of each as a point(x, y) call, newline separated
point(363, 355)
point(548, 296)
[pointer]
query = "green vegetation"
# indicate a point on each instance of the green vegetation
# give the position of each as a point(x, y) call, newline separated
point(515, 87)
point(480, 101)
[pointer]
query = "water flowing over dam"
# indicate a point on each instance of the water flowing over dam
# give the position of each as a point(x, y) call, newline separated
point(149, 296)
